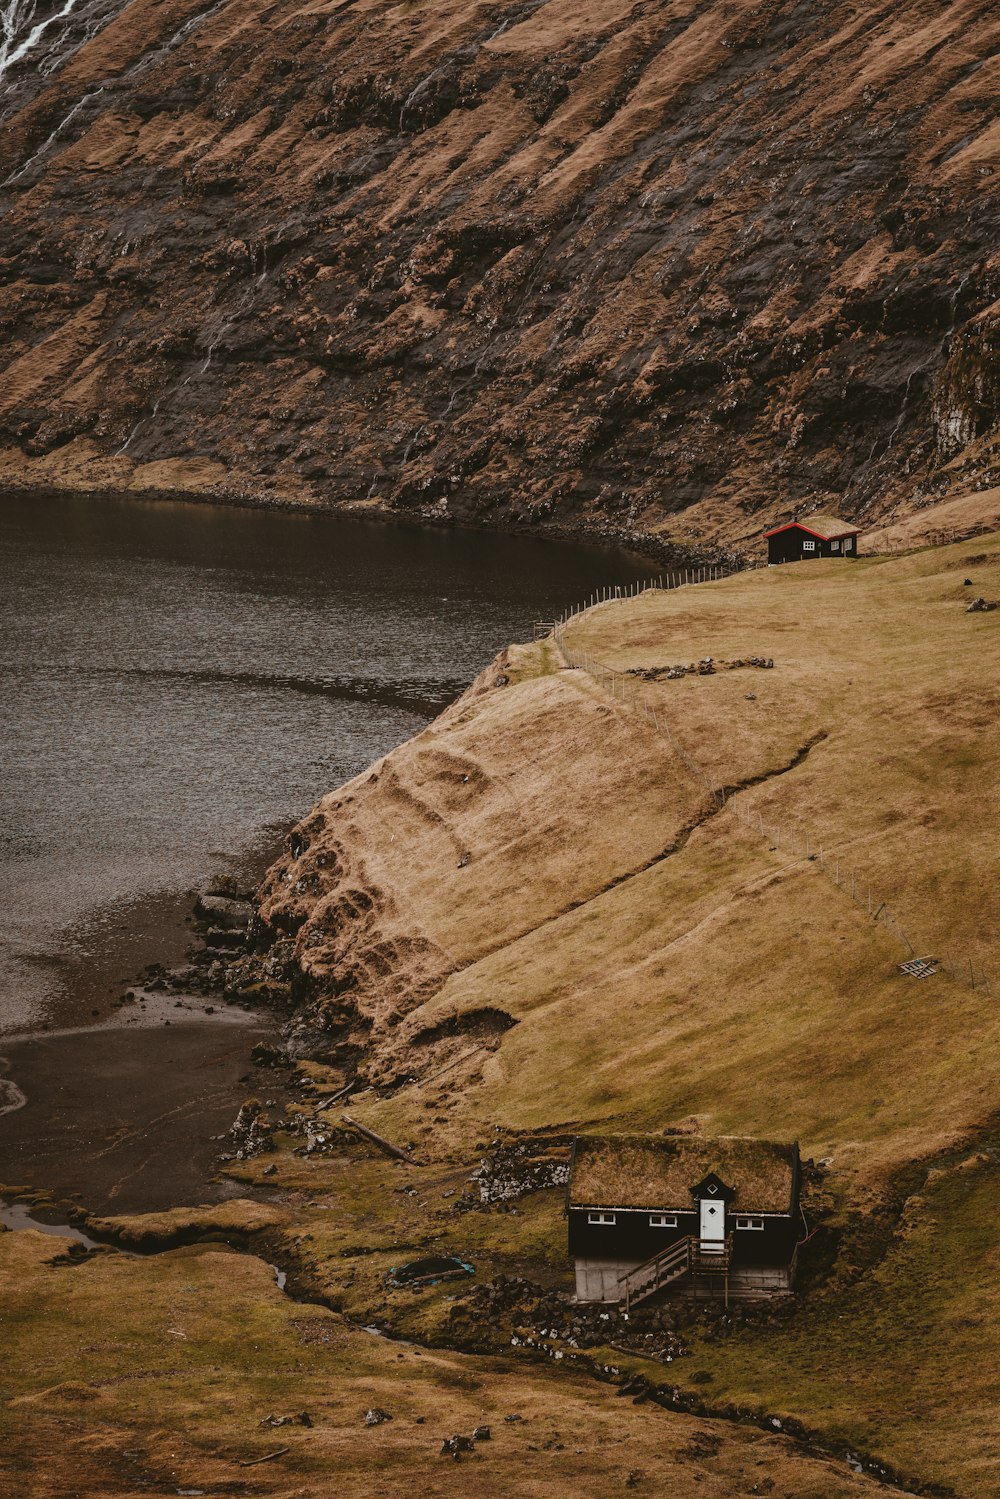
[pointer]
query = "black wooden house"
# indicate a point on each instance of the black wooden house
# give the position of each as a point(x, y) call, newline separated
point(657, 1215)
point(819, 536)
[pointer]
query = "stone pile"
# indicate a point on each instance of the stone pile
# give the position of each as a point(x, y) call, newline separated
point(513, 1170)
point(544, 1318)
point(707, 667)
point(250, 1134)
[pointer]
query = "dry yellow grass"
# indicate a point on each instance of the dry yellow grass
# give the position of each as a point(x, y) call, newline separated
point(967, 515)
point(156, 1376)
point(473, 835)
point(237, 1217)
point(730, 984)
point(902, 1361)
point(730, 980)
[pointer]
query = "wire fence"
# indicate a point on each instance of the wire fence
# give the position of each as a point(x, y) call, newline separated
point(798, 843)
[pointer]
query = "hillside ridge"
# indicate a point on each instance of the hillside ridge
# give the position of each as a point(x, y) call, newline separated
point(560, 975)
point(669, 270)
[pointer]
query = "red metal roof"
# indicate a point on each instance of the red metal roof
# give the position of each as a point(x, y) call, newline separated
point(822, 526)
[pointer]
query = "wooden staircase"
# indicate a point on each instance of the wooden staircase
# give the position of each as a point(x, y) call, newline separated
point(683, 1258)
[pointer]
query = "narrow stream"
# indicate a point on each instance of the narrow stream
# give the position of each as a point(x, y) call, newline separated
point(18, 1215)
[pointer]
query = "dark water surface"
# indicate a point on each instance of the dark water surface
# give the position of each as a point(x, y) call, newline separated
point(181, 681)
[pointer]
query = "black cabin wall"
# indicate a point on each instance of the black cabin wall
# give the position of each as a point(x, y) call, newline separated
point(630, 1238)
point(787, 547)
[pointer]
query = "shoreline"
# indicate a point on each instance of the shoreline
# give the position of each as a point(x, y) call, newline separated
point(92, 1059)
point(120, 1101)
point(643, 544)
point(102, 954)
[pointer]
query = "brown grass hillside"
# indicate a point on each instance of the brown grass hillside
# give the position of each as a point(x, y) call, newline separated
point(162, 1376)
point(534, 916)
point(540, 853)
point(535, 919)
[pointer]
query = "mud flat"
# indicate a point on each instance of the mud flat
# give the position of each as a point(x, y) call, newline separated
point(122, 1119)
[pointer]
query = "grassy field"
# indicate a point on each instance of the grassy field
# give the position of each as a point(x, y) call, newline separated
point(159, 1376)
point(904, 1360)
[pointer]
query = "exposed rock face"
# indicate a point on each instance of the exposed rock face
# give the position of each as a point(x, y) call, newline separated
point(967, 398)
point(516, 261)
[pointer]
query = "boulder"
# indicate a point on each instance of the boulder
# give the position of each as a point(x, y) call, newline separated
point(224, 911)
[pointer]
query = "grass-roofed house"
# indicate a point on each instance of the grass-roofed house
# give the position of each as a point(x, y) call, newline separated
point(679, 1214)
point(819, 536)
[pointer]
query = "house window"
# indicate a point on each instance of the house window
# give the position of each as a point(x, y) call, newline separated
point(606, 1219)
point(663, 1220)
point(835, 546)
point(809, 546)
point(848, 543)
point(755, 1223)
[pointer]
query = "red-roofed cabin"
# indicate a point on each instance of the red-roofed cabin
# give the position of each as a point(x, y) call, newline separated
point(820, 536)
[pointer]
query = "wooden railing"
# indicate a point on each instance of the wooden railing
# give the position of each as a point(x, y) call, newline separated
point(711, 1261)
point(683, 1258)
point(651, 1276)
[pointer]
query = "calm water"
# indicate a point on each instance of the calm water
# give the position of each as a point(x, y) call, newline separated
point(179, 682)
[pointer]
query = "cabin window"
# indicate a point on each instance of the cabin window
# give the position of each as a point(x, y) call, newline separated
point(809, 546)
point(607, 1219)
point(755, 1223)
point(835, 546)
point(663, 1220)
point(848, 543)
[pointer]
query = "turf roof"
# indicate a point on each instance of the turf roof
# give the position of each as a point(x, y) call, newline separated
point(658, 1171)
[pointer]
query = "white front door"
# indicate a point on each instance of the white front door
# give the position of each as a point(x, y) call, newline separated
point(713, 1225)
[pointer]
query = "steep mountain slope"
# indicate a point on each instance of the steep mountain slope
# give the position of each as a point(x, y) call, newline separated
point(672, 267)
point(536, 917)
point(540, 858)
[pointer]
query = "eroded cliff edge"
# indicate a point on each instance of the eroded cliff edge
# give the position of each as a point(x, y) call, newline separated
point(540, 891)
point(658, 268)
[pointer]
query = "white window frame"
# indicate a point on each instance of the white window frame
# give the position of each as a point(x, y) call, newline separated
point(809, 546)
point(754, 1225)
point(663, 1220)
point(602, 1220)
point(848, 543)
point(835, 546)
